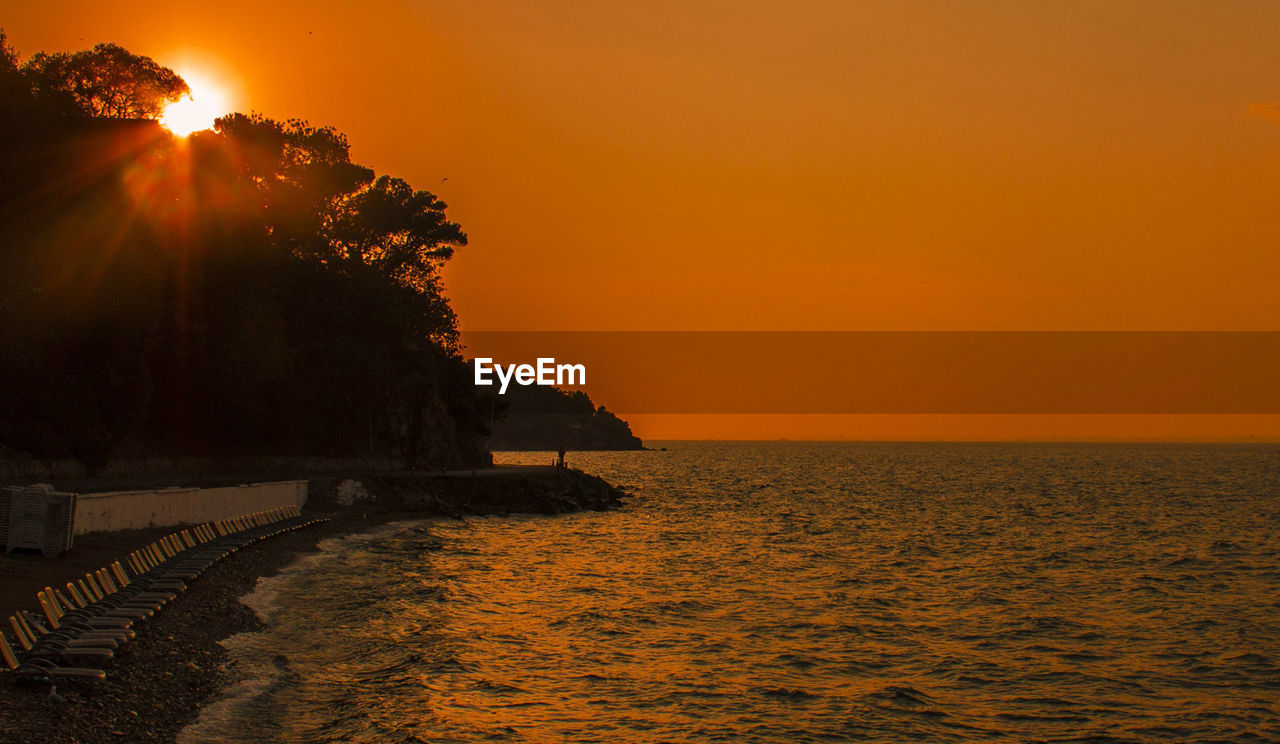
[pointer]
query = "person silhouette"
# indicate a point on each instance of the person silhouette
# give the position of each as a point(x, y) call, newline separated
point(560, 459)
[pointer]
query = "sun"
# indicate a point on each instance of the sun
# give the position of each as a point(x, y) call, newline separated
point(197, 111)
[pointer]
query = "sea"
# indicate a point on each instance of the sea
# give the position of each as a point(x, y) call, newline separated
point(797, 592)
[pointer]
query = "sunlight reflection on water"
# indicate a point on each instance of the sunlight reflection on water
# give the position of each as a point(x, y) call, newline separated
point(791, 592)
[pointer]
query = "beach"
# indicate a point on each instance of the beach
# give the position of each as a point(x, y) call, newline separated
point(157, 684)
point(763, 592)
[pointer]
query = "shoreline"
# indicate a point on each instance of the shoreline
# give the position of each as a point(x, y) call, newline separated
point(157, 685)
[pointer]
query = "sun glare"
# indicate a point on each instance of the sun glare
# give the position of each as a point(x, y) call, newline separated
point(197, 111)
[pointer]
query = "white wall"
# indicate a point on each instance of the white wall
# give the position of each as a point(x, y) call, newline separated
point(125, 510)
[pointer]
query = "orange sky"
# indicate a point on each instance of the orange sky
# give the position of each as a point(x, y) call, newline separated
point(765, 165)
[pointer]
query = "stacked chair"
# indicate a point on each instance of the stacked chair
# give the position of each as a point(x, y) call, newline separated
point(85, 625)
point(6, 505)
point(39, 518)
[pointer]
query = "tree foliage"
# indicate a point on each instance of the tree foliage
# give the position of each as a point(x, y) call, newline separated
point(390, 228)
point(107, 81)
point(546, 418)
point(248, 290)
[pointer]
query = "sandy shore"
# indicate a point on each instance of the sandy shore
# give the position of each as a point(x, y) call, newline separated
point(157, 684)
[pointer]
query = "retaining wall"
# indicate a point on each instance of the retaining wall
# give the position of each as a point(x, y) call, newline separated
point(126, 510)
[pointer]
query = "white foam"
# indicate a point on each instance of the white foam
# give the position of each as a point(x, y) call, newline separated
point(215, 725)
point(222, 721)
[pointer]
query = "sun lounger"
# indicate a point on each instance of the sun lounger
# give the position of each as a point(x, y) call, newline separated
point(41, 670)
point(97, 614)
point(93, 595)
point(105, 592)
point(167, 589)
point(30, 632)
point(74, 627)
point(37, 642)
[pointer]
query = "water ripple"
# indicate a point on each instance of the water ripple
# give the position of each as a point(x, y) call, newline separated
point(792, 592)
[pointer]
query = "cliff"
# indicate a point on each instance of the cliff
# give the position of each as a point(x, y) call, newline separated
point(541, 418)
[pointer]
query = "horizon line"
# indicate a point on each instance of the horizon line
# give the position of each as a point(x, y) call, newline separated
point(1228, 440)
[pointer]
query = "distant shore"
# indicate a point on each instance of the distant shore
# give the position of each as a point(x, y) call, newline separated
point(157, 684)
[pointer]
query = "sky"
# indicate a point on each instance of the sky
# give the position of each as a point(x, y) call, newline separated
point(792, 166)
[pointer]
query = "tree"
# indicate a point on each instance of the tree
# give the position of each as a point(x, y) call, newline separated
point(400, 233)
point(108, 81)
point(329, 209)
point(246, 290)
point(8, 55)
point(23, 113)
point(299, 171)
point(14, 90)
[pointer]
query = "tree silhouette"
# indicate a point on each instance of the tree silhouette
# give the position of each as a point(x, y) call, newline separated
point(333, 211)
point(107, 81)
point(23, 113)
point(391, 228)
point(8, 55)
point(299, 171)
point(246, 290)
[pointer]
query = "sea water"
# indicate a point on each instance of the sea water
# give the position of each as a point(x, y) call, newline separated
point(798, 592)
